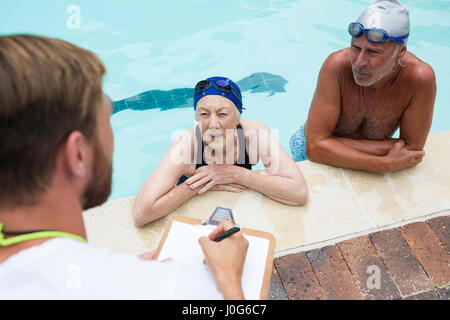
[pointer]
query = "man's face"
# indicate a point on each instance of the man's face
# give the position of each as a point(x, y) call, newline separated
point(371, 62)
point(98, 188)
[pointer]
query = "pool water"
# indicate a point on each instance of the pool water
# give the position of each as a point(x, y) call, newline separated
point(155, 52)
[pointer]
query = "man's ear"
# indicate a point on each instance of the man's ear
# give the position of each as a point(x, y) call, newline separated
point(402, 52)
point(77, 152)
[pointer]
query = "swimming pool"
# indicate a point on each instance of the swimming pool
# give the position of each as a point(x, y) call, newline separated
point(275, 48)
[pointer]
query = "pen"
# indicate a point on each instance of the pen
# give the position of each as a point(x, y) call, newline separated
point(227, 234)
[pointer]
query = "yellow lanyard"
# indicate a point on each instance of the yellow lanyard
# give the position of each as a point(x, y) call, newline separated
point(35, 235)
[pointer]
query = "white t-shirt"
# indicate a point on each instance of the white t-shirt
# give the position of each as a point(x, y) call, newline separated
point(62, 268)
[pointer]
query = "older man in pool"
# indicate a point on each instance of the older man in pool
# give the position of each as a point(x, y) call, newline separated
point(364, 93)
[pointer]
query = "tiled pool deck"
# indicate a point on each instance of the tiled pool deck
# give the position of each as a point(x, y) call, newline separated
point(413, 263)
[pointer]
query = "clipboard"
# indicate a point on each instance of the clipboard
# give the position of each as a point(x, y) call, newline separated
point(254, 233)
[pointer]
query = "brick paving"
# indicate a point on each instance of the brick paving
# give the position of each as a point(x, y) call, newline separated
point(409, 263)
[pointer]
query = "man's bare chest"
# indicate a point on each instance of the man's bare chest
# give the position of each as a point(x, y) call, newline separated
point(370, 117)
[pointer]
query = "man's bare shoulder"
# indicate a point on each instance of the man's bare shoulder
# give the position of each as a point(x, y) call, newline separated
point(338, 61)
point(418, 71)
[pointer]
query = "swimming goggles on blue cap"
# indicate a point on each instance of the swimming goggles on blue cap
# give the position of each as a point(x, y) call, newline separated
point(374, 35)
point(218, 86)
point(221, 85)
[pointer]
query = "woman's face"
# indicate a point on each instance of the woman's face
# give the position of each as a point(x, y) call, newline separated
point(216, 114)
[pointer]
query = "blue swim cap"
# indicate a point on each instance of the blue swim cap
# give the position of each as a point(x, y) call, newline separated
point(215, 87)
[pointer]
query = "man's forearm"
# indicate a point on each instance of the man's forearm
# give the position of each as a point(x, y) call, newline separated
point(338, 154)
point(373, 147)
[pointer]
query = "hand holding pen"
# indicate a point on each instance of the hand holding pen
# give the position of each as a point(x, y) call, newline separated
point(225, 250)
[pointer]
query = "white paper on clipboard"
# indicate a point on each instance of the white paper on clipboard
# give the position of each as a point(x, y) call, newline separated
point(182, 246)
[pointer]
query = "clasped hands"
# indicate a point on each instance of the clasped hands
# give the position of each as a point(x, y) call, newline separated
point(401, 157)
point(217, 177)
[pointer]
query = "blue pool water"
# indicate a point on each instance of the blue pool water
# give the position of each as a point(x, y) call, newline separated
point(274, 47)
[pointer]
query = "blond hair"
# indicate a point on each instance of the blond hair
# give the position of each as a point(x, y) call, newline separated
point(48, 89)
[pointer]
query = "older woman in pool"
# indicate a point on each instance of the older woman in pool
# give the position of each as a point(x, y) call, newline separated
point(218, 154)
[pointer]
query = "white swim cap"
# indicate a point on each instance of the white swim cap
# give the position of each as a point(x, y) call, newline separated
point(389, 15)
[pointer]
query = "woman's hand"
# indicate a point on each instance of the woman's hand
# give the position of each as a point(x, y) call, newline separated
point(233, 187)
point(220, 176)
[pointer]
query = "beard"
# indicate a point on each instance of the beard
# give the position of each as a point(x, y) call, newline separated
point(98, 188)
point(370, 79)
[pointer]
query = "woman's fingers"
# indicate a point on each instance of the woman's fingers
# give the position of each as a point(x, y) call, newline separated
point(195, 177)
point(207, 187)
point(212, 180)
point(200, 182)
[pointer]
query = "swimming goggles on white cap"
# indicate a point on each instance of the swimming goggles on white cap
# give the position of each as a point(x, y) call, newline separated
point(374, 35)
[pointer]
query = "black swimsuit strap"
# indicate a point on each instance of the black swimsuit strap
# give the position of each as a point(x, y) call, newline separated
point(199, 140)
point(243, 158)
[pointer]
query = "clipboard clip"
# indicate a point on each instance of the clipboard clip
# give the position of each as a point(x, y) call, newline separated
point(220, 214)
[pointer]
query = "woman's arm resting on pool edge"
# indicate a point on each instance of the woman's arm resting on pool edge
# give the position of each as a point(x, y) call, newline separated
point(159, 196)
point(284, 182)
